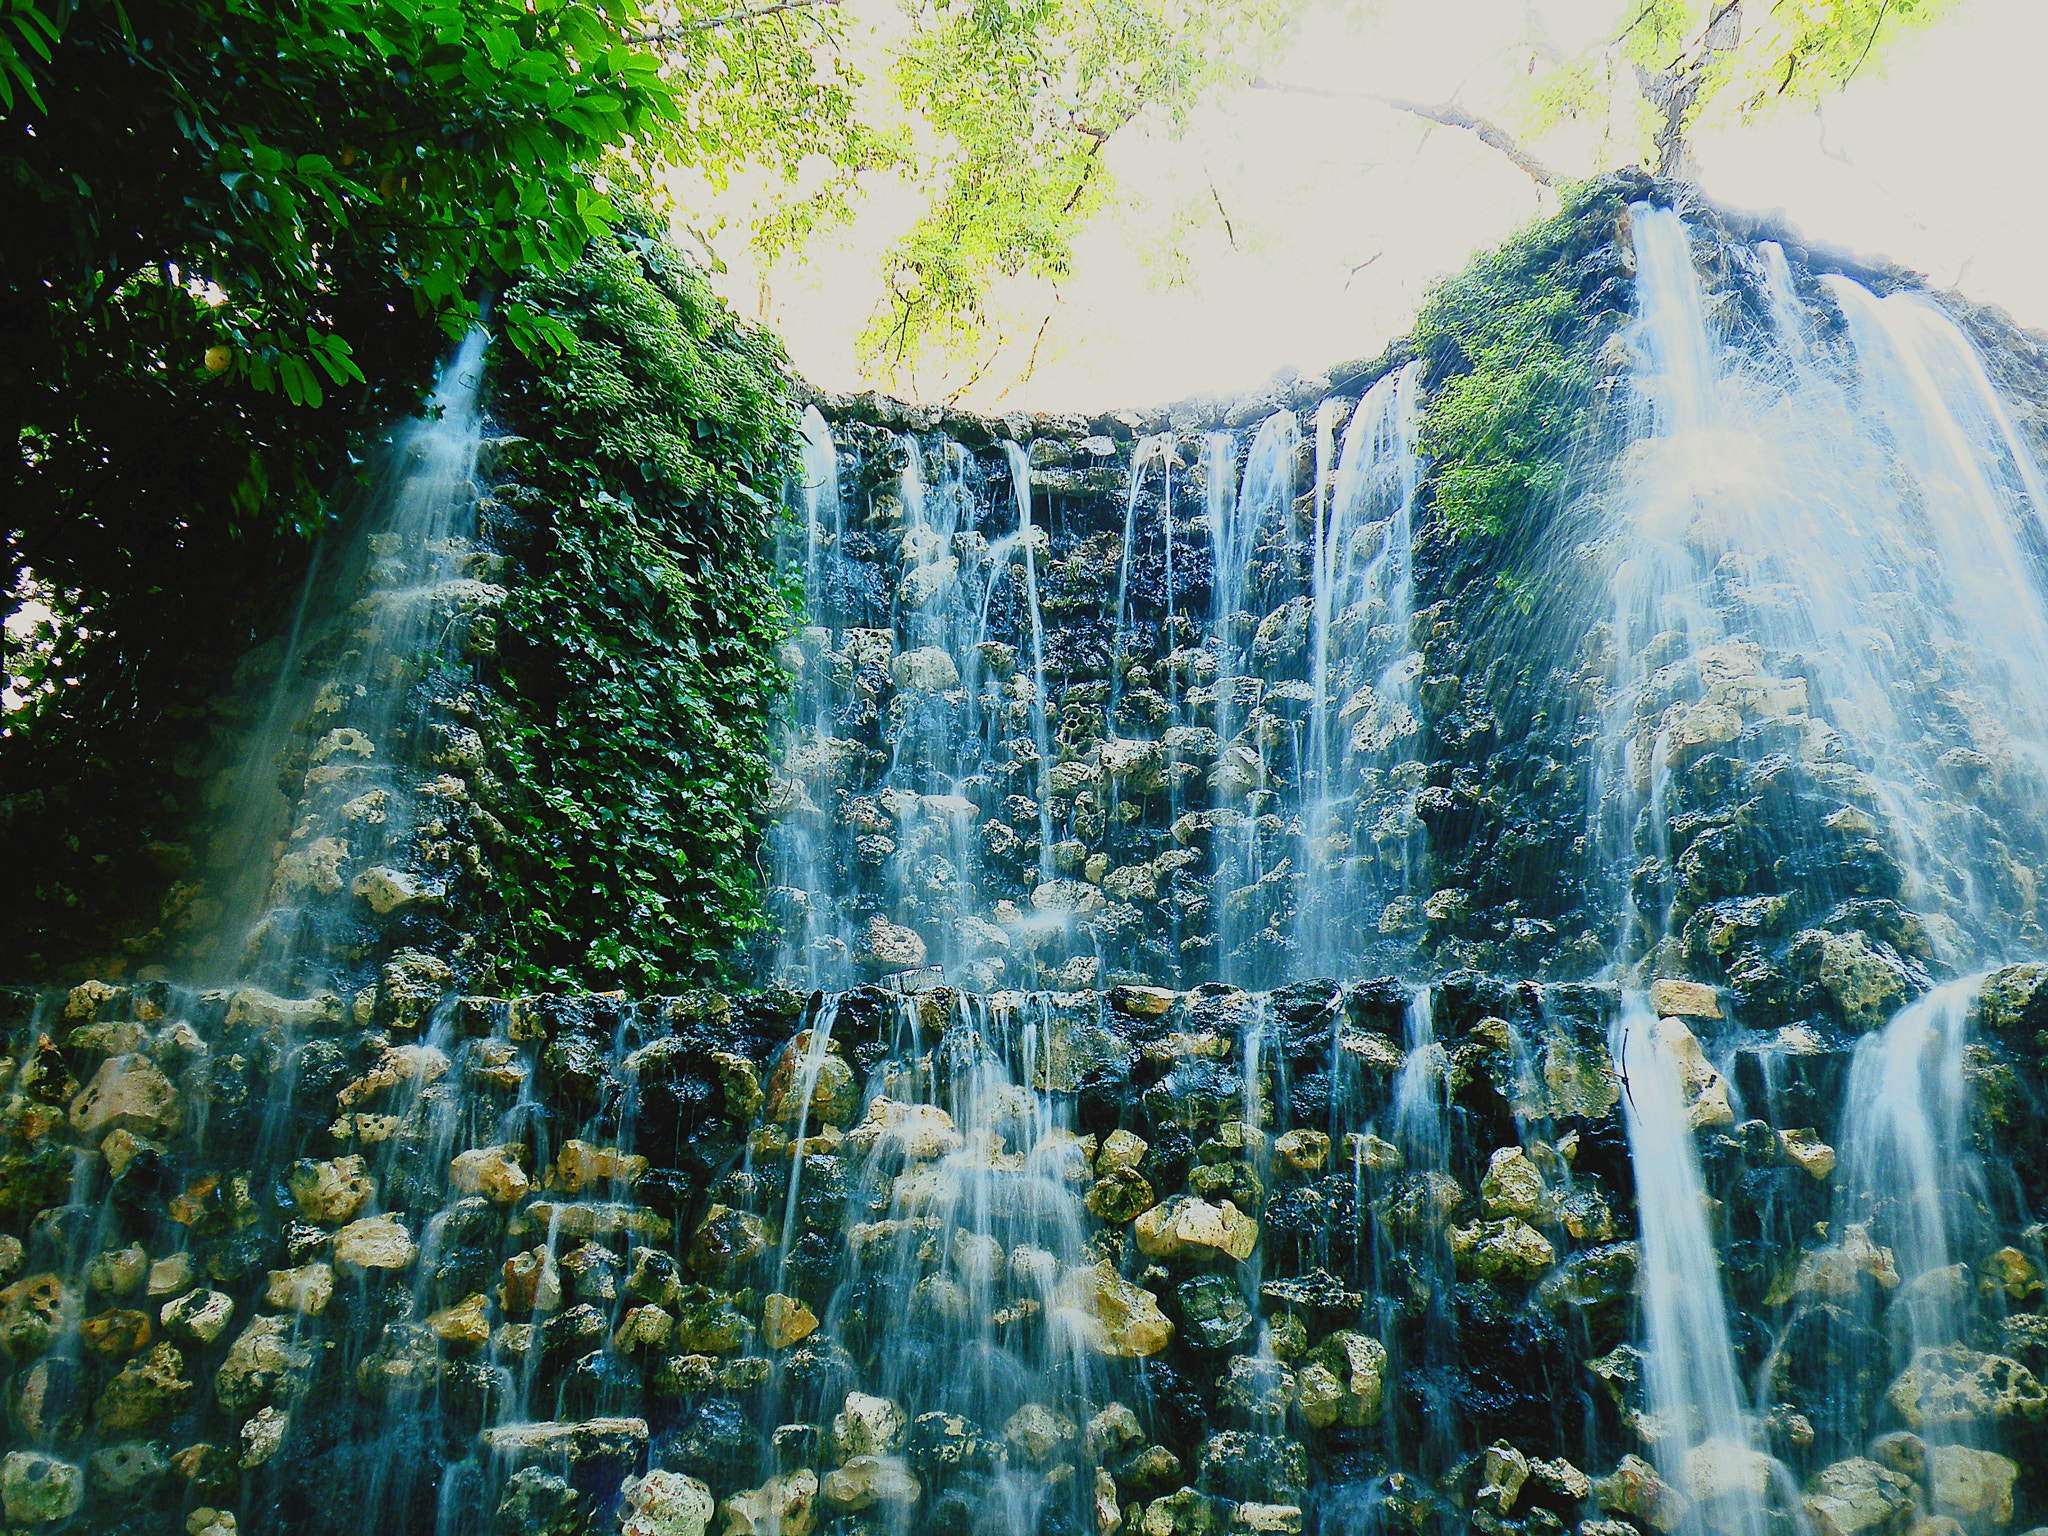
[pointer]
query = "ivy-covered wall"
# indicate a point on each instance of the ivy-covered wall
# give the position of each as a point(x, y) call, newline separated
point(637, 651)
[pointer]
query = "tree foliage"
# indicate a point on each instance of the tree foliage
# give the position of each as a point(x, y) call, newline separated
point(1017, 101)
point(639, 645)
point(1670, 67)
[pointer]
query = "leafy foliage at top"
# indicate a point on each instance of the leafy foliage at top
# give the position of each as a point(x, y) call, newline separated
point(1509, 346)
point(1670, 67)
point(1020, 98)
point(639, 645)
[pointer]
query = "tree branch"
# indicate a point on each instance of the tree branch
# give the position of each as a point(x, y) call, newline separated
point(1448, 114)
point(711, 23)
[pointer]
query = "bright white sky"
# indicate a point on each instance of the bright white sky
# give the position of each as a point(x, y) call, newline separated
point(1342, 212)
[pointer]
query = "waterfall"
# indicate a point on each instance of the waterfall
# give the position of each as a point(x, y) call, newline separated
point(1704, 1445)
point(1361, 711)
point(397, 613)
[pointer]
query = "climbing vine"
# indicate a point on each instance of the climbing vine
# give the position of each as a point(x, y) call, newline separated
point(638, 654)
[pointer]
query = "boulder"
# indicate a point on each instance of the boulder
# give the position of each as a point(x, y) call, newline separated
point(1957, 1385)
point(36, 1489)
point(493, 1172)
point(868, 1426)
point(1635, 1490)
point(865, 1481)
point(1185, 1226)
point(664, 1504)
point(333, 1191)
point(782, 1506)
point(1850, 1498)
point(1113, 1316)
point(375, 1242)
point(127, 1093)
point(1972, 1486)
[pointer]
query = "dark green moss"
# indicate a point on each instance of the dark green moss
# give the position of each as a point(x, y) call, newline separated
point(1511, 345)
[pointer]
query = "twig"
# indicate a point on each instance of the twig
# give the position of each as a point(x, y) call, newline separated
point(1449, 114)
point(670, 34)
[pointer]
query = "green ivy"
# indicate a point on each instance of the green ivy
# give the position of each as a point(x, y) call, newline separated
point(1510, 345)
point(639, 645)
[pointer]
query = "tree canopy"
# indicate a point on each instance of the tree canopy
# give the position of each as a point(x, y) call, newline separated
point(1668, 67)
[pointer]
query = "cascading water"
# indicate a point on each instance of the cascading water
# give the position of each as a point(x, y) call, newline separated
point(1361, 713)
point(410, 601)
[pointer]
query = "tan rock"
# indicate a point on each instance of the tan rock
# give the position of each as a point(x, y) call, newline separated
point(782, 1506)
point(1305, 1151)
point(643, 1328)
point(375, 1242)
point(869, 1480)
point(1974, 1487)
point(664, 1504)
point(466, 1325)
point(262, 1435)
point(128, 1093)
point(198, 1317)
point(785, 1321)
point(493, 1172)
point(1804, 1150)
point(1184, 1225)
point(333, 1191)
point(867, 1426)
point(580, 1166)
point(1120, 1149)
point(1113, 1316)
point(1675, 999)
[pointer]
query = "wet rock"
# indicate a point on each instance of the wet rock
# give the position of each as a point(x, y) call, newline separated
point(1264, 1468)
point(198, 1317)
point(1807, 1152)
point(531, 1282)
point(1866, 978)
point(1355, 1365)
point(127, 1093)
point(1635, 1490)
point(118, 1271)
point(411, 986)
point(1705, 1091)
point(1856, 1496)
point(49, 1400)
point(207, 1521)
point(867, 1426)
point(1213, 1313)
point(1972, 1486)
point(664, 1504)
point(786, 1321)
point(145, 1391)
point(1957, 1385)
point(126, 1471)
point(1186, 1227)
point(264, 1362)
point(33, 1312)
point(262, 1436)
point(1120, 1195)
point(1304, 1151)
point(1259, 1390)
point(386, 890)
point(539, 1503)
point(1037, 1434)
point(493, 1172)
point(375, 1242)
point(36, 1489)
point(331, 1192)
point(556, 1441)
point(1502, 1250)
point(1115, 1317)
point(782, 1506)
point(865, 1481)
point(1675, 999)
point(1513, 1187)
point(919, 1132)
point(465, 1325)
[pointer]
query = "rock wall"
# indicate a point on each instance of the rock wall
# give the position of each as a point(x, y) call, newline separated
point(1320, 1259)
